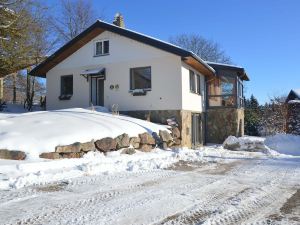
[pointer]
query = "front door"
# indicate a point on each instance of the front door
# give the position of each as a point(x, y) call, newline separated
point(100, 92)
point(197, 130)
point(97, 91)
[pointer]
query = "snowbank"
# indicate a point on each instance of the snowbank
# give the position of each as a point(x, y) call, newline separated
point(284, 143)
point(17, 175)
point(38, 132)
point(246, 143)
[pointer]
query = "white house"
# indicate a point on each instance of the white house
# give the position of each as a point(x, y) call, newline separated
point(145, 77)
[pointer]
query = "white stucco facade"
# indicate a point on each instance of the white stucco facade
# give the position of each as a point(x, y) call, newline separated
point(169, 77)
point(192, 101)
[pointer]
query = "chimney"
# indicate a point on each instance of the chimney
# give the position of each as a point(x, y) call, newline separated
point(119, 20)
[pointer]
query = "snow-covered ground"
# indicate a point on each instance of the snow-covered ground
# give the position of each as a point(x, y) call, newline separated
point(210, 185)
point(221, 187)
point(39, 132)
point(284, 143)
point(17, 174)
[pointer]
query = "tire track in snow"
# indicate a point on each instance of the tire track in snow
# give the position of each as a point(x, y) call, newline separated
point(45, 214)
point(253, 202)
point(203, 211)
point(241, 196)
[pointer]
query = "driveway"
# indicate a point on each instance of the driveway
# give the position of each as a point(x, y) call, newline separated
point(231, 191)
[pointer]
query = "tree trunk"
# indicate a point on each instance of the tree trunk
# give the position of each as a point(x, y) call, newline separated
point(14, 89)
point(1, 90)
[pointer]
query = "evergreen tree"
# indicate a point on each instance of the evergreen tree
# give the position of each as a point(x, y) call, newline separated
point(252, 116)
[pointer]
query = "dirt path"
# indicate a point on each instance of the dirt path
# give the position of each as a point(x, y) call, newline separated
point(248, 191)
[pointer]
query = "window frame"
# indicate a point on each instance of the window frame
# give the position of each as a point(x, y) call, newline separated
point(198, 83)
point(195, 82)
point(131, 89)
point(240, 93)
point(238, 100)
point(103, 53)
point(66, 96)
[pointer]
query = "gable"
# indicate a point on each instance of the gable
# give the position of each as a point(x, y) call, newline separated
point(121, 49)
point(293, 95)
point(99, 27)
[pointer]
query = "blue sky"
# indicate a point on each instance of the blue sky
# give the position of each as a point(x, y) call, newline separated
point(261, 35)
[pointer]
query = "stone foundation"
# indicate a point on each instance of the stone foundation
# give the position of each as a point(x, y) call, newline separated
point(293, 118)
point(224, 122)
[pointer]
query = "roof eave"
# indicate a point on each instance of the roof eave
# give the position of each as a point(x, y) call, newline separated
point(243, 75)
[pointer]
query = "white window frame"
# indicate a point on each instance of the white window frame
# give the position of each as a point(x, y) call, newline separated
point(102, 44)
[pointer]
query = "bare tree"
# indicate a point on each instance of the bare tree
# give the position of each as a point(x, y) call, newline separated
point(75, 16)
point(206, 49)
point(274, 115)
point(42, 42)
point(17, 88)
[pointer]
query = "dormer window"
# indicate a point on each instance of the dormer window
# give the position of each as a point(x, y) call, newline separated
point(101, 48)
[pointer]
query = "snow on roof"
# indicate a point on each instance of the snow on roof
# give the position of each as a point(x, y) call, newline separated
point(148, 36)
point(294, 101)
point(223, 64)
point(93, 71)
point(168, 43)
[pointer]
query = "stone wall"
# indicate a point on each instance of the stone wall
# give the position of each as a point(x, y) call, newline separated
point(143, 142)
point(293, 118)
point(223, 122)
point(183, 118)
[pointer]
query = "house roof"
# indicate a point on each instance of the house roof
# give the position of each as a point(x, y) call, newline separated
point(297, 92)
point(240, 70)
point(97, 28)
point(293, 95)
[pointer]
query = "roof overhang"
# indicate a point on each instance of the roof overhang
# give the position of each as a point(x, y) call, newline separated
point(221, 66)
point(94, 73)
point(202, 67)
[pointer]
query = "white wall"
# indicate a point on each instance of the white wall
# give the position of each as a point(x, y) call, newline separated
point(124, 54)
point(192, 101)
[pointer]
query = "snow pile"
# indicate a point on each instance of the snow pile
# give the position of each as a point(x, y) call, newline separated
point(99, 109)
point(17, 175)
point(17, 109)
point(39, 132)
point(246, 143)
point(294, 101)
point(284, 143)
point(287, 144)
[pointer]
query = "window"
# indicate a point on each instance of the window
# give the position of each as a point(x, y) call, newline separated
point(101, 48)
point(222, 91)
point(66, 86)
point(194, 83)
point(240, 93)
point(198, 89)
point(140, 78)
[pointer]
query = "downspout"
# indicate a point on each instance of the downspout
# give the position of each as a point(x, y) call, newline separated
point(205, 108)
